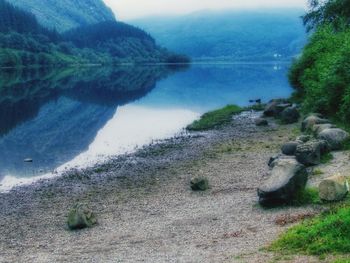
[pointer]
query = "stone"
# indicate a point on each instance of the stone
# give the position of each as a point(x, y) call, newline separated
point(309, 153)
point(312, 120)
point(80, 216)
point(289, 115)
point(274, 107)
point(199, 184)
point(289, 148)
point(334, 188)
point(261, 122)
point(287, 178)
point(274, 159)
point(334, 137)
point(318, 128)
point(303, 138)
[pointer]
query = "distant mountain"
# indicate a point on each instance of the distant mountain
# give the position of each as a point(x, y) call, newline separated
point(244, 35)
point(66, 14)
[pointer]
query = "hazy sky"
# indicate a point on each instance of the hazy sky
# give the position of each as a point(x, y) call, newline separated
point(129, 9)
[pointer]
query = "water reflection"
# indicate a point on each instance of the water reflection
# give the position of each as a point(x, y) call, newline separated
point(69, 117)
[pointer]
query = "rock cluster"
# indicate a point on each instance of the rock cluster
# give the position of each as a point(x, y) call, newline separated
point(282, 109)
point(288, 173)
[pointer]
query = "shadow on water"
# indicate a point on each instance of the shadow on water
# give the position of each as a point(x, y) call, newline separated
point(53, 115)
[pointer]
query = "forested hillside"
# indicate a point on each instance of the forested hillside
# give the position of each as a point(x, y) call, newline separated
point(238, 35)
point(63, 15)
point(322, 73)
point(24, 42)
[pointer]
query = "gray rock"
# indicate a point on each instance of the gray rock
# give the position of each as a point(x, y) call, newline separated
point(289, 148)
point(199, 184)
point(318, 128)
point(80, 216)
point(334, 137)
point(312, 120)
point(274, 159)
point(334, 188)
point(261, 122)
point(303, 138)
point(289, 115)
point(274, 107)
point(286, 179)
point(309, 153)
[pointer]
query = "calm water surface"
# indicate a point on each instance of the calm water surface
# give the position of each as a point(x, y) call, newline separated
point(70, 118)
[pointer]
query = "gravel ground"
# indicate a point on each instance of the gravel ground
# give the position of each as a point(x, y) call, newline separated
point(146, 210)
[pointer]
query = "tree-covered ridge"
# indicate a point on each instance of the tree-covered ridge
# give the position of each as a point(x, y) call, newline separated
point(64, 15)
point(322, 73)
point(24, 42)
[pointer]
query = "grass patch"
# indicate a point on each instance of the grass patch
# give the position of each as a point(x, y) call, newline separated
point(327, 158)
point(214, 119)
point(317, 172)
point(325, 234)
point(307, 196)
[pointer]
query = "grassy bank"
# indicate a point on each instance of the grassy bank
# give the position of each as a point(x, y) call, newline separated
point(326, 234)
point(215, 118)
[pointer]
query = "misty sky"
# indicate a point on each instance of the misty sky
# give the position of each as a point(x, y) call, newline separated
point(129, 9)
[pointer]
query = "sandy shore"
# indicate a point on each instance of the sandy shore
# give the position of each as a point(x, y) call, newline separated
point(145, 208)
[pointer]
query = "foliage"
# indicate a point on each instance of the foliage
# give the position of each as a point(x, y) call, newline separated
point(215, 118)
point(322, 73)
point(335, 12)
point(325, 234)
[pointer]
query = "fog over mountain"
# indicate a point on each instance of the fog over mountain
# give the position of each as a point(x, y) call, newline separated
point(233, 34)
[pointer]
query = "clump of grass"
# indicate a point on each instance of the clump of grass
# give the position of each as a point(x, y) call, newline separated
point(215, 118)
point(327, 158)
point(317, 172)
point(325, 234)
point(306, 196)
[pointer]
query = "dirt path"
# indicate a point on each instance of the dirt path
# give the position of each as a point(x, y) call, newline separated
point(145, 208)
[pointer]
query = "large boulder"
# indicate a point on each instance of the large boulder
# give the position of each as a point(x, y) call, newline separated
point(274, 159)
point(289, 148)
point(199, 184)
point(318, 128)
point(289, 115)
point(312, 120)
point(275, 107)
point(80, 216)
point(286, 179)
point(309, 153)
point(334, 137)
point(334, 188)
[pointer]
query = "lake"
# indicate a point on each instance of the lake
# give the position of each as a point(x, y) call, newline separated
point(75, 118)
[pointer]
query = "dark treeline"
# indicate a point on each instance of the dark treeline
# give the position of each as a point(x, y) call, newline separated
point(24, 42)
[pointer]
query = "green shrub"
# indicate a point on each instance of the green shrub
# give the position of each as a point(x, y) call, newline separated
point(322, 73)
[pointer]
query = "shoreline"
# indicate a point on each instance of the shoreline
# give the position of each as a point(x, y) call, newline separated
point(144, 203)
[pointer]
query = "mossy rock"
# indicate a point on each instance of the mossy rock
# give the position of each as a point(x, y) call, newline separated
point(80, 216)
point(199, 184)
